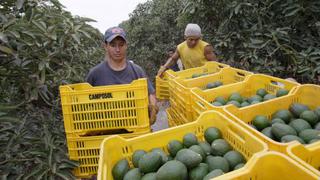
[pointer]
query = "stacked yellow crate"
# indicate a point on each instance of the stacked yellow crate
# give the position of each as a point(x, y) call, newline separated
point(180, 88)
point(116, 148)
point(162, 84)
point(94, 113)
point(165, 87)
point(202, 100)
point(306, 155)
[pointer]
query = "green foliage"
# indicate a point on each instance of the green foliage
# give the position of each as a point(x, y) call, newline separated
point(152, 30)
point(283, 36)
point(41, 47)
point(45, 46)
point(33, 146)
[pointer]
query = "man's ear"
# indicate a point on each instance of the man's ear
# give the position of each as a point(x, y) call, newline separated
point(105, 45)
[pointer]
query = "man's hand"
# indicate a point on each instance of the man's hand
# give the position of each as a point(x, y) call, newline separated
point(153, 111)
point(161, 71)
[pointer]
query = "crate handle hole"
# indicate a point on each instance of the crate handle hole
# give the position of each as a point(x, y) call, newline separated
point(277, 83)
point(240, 74)
point(107, 132)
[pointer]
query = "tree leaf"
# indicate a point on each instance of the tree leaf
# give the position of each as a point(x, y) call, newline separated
point(29, 33)
point(6, 50)
point(15, 34)
point(39, 25)
point(76, 38)
point(9, 119)
point(85, 33)
point(3, 37)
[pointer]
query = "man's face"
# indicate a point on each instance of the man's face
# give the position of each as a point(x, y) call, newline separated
point(117, 49)
point(192, 41)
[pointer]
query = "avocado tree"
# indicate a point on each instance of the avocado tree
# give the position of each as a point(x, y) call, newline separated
point(280, 35)
point(152, 30)
point(41, 47)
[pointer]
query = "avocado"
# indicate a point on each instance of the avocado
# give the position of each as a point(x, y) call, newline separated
point(234, 158)
point(164, 156)
point(277, 120)
point(282, 92)
point(120, 169)
point(309, 135)
point(150, 176)
point(174, 170)
point(189, 140)
point(280, 130)
point(189, 158)
point(174, 146)
point(296, 109)
point(310, 117)
point(283, 114)
point(239, 166)
point(236, 103)
point(261, 122)
point(220, 147)
point(235, 97)
point(150, 162)
point(261, 92)
point(198, 149)
point(133, 174)
point(211, 134)
point(213, 174)
point(199, 172)
point(205, 146)
point(267, 132)
point(136, 157)
point(289, 138)
point(269, 97)
point(221, 100)
point(299, 125)
point(217, 162)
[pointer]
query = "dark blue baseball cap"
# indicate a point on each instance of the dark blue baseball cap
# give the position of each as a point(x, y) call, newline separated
point(114, 32)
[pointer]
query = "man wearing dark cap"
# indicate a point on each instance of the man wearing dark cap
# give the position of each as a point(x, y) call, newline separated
point(117, 69)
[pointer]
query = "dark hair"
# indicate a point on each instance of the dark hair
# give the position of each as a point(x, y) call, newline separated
point(171, 49)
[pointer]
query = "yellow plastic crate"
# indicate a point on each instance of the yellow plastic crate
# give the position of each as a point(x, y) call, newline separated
point(270, 166)
point(174, 119)
point(180, 87)
point(171, 121)
point(115, 148)
point(86, 108)
point(86, 151)
point(162, 84)
point(305, 94)
point(308, 156)
point(183, 116)
point(201, 99)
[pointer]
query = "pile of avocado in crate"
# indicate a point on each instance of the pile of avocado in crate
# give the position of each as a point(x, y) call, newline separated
point(189, 159)
point(239, 101)
point(196, 75)
point(298, 123)
point(212, 85)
